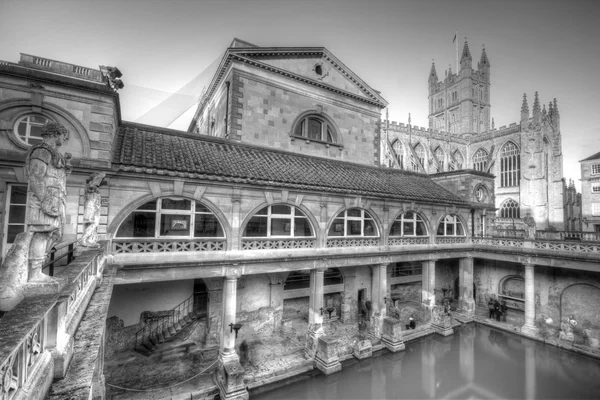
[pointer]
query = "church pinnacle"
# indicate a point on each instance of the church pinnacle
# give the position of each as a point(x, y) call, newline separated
point(524, 111)
point(537, 117)
point(484, 59)
point(433, 73)
point(466, 59)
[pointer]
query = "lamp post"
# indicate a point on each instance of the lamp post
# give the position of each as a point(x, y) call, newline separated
point(234, 327)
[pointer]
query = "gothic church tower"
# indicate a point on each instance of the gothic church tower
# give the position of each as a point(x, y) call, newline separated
point(460, 104)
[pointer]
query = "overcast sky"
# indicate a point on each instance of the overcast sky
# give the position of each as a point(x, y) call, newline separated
point(160, 46)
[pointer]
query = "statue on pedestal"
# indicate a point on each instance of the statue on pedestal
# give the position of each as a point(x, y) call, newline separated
point(529, 226)
point(91, 211)
point(47, 171)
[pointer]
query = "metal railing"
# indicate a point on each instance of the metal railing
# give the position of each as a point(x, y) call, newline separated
point(58, 254)
point(176, 314)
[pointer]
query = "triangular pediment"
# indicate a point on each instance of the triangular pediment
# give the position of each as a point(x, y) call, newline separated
point(315, 64)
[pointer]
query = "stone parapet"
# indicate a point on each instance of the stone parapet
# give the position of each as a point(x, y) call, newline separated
point(230, 379)
point(363, 349)
point(392, 335)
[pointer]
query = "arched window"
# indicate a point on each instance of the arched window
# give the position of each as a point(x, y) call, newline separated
point(172, 218)
point(278, 221)
point(399, 150)
point(408, 224)
point(420, 152)
point(301, 279)
point(510, 165)
point(353, 222)
point(459, 159)
point(315, 127)
point(450, 226)
point(480, 160)
point(28, 128)
point(439, 156)
point(510, 209)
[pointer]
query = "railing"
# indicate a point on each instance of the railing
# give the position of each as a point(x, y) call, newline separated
point(568, 236)
point(161, 323)
point(450, 239)
point(498, 241)
point(59, 254)
point(352, 242)
point(123, 246)
point(566, 246)
point(407, 241)
point(260, 244)
point(19, 363)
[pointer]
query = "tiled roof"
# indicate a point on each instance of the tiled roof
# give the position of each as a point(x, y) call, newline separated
point(151, 150)
point(594, 157)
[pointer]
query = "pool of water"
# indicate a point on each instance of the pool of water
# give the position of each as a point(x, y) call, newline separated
point(477, 362)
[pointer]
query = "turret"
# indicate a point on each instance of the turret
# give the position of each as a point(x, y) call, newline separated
point(433, 78)
point(465, 59)
point(524, 112)
point(484, 65)
point(536, 114)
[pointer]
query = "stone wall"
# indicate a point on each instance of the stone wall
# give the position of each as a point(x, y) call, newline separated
point(295, 308)
point(446, 272)
point(406, 292)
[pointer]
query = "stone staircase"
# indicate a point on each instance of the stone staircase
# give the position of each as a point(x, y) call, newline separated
point(165, 328)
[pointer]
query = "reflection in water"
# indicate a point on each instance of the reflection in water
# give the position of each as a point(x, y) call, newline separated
point(476, 362)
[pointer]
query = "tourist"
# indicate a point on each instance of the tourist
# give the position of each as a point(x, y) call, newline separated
point(491, 307)
point(411, 324)
point(503, 310)
point(497, 310)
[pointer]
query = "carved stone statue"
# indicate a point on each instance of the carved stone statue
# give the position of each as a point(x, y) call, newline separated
point(91, 211)
point(529, 226)
point(47, 171)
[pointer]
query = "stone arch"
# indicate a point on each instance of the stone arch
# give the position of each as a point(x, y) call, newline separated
point(371, 212)
point(461, 218)
point(338, 139)
point(426, 220)
point(581, 313)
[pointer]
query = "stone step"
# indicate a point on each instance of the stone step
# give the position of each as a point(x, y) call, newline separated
point(160, 337)
point(172, 330)
point(193, 315)
point(166, 333)
point(187, 319)
point(177, 327)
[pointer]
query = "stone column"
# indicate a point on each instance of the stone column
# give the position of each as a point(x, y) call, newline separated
point(529, 327)
point(230, 374)
point(378, 292)
point(215, 311)
point(465, 285)
point(428, 283)
point(315, 316)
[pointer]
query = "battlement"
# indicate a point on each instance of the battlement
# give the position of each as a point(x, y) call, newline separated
point(59, 67)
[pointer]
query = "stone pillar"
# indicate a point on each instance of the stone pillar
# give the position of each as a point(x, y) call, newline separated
point(379, 291)
point(392, 335)
point(441, 321)
point(230, 374)
point(529, 327)
point(327, 360)
point(315, 316)
point(215, 311)
point(465, 285)
point(428, 283)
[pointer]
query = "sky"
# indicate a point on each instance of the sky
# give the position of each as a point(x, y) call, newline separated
point(166, 47)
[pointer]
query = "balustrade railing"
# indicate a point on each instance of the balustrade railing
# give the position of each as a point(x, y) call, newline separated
point(352, 242)
point(450, 239)
point(121, 246)
point(498, 241)
point(408, 241)
point(296, 243)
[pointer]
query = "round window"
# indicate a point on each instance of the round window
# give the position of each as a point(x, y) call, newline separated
point(28, 128)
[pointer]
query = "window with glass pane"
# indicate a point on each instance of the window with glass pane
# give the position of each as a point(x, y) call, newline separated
point(420, 152)
point(171, 217)
point(278, 221)
point(595, 169)
point(459, 159)
point(408, 224)
point(450, 226)
point(439, 156)
point(510, 165)
point(315, 127)
point(29, 128)
point(17, 195)
point(510, 209)
point(480, 160)
point(353, 222)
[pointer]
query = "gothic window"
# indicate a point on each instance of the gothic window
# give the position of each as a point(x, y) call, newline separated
point(408, 224)
point(439, 156)
point(510, 165)
point(510, 209)
point(459, 159)
point(353, 222)
point(399, 150)
point(15, 213)
point(440, 103)
point(450, 225)
point(480, 160)
point(171, 217)
point(28, 128)
point(454, 96)
point(279, 221)
point(315, 127)
point(420, 152)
